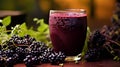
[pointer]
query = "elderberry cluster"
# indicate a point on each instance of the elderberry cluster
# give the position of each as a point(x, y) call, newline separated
point(29, 51)
point(104, 43)
point(95, 47)
point(27, 40)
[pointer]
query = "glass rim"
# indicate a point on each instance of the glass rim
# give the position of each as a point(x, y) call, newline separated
point(58, 11)
point(69, 10)
point(68, 13)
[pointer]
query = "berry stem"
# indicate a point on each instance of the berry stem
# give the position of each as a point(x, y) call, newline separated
point(114, 42)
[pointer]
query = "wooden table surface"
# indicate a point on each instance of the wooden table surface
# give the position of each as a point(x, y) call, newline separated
point(103, 63)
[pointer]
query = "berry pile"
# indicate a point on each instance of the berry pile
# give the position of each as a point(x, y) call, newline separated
point(96, 48)
point(92, 55)
point(29, 51)
point(105, 42)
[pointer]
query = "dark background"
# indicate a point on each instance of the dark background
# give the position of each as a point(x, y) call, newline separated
point(99, 11)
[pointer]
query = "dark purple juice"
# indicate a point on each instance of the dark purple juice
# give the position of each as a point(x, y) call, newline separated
point(68, 32)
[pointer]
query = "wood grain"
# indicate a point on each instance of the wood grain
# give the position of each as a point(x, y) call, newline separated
point(104, 63)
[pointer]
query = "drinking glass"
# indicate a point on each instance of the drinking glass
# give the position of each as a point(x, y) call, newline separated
point(68, 30)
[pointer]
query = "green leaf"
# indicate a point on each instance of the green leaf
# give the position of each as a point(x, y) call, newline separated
point(6, 21)
point(23, 26)
point(47, 31)
point(32, 33)
point(23, 29)
point(39, 20)
point(43, 27)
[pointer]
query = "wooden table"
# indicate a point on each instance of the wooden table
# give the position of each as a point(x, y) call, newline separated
point(103, 63)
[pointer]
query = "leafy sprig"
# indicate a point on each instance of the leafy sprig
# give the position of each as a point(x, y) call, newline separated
point(41, 34)
point(3, 29)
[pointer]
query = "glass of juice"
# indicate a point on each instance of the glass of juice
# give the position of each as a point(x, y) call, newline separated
point(68, 30)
